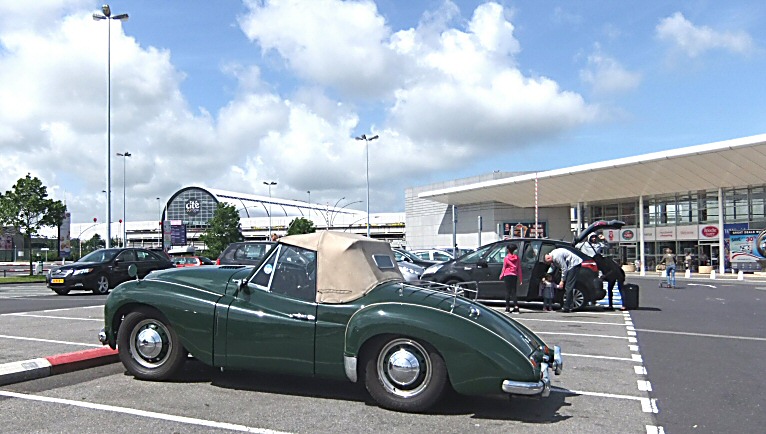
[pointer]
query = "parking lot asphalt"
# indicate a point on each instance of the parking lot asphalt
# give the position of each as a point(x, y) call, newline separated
point(50, 341)
point(604, 386)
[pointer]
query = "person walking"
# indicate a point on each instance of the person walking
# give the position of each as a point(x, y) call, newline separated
point(511, 276)
point(569, 263)
point(669, 259)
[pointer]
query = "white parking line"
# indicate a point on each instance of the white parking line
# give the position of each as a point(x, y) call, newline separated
point(53, 317)
point(142, 413)
point(585, 335)
point(644, 386)
point(622, 359)
point(651, 429)
point(21, 338)
point(649, 405)
point(640, 370)
point(568, 321)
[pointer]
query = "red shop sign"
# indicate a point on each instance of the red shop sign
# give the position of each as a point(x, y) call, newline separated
point(710, 231)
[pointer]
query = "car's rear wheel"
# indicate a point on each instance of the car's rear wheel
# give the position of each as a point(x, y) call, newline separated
point(102, 285)
point(148, 346)
point(404, 374)
point(578, 299)
point(61, 291)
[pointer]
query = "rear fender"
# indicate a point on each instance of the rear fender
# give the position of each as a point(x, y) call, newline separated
point(477, 359)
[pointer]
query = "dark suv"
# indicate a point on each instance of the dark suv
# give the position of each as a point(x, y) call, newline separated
point(244, 253)
point(484, 265)
point(103, 269)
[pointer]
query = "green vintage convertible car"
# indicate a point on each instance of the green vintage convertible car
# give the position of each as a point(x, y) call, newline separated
point(330, 305)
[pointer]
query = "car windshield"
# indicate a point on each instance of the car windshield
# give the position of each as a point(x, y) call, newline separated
point(99, 256)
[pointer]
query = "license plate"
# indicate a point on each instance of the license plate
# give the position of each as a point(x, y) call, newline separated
point(57, 280)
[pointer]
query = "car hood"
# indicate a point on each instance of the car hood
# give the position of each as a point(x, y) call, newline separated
point(77, 265)
point(214, 279)
point(597, 226)
point(518, 335)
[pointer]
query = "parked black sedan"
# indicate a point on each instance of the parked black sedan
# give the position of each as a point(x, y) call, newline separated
point(104, 269)
point(484, 265)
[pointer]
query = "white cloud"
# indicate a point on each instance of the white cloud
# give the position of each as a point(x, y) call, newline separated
point(695, 40)
point(440, 95)
point(607, 76)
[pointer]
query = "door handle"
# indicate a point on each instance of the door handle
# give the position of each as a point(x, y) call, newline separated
point(302, 316)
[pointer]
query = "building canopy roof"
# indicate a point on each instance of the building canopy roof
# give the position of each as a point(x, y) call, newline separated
point(730, 163)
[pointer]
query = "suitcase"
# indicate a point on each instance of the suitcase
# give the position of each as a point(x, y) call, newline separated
point(630, 296)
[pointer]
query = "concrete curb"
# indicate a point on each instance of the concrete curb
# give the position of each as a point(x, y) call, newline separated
point(15, 372)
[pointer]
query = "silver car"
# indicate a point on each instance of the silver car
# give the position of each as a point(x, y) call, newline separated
point(410, 271)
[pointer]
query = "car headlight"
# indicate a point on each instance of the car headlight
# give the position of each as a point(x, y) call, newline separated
point(82, 271)
point(432, 269)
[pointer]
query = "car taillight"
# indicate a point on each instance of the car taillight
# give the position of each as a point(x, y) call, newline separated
point(218, 261)
point(591, 265)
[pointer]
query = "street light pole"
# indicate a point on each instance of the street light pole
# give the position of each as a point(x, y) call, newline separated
point(107, 15)
point(79, 236)
point(269, 184)
point(309, 193)
point(367, 156)
point(159, 213)
point(124, 156)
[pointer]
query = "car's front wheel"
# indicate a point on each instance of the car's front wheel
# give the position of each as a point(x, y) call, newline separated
point(148, 346)
point(404, 374)
point(102, 285)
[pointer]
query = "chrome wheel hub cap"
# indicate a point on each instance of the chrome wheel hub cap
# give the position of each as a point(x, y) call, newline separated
point(149, 343)
point(403, 367)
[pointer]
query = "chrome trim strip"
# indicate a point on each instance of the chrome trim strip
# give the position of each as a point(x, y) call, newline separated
point(558, 361)
point(349, 364)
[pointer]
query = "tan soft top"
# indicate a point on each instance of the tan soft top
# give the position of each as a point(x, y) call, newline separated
point(345, 266)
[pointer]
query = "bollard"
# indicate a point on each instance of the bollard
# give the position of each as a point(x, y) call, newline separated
point(688, 273)
point(740, 275)
point(712, 274)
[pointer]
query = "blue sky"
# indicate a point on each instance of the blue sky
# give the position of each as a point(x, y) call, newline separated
point(228, 94)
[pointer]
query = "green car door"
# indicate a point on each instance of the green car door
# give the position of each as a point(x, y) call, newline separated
point(271, 323)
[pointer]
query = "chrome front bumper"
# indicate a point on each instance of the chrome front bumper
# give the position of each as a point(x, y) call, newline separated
point(102, 337)
point(542, 387)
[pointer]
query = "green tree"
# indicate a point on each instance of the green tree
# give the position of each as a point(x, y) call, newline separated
point(301, 225)
point(223, 229)
point(27, 208)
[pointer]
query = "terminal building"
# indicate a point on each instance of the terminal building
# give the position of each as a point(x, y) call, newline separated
point(707, 201)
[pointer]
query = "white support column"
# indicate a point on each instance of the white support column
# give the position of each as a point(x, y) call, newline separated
point(642, 259)
point(579, 218)
point(721, 251)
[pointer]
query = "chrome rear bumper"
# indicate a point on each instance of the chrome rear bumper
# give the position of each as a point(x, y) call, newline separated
point(542, 387)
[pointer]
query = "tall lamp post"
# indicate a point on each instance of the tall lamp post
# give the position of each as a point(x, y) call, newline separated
point(107, 15)
point(367, 156)
point(79, 236)
point(159, 213)
point(124, 156)
point(309, 193)
point(269, 184)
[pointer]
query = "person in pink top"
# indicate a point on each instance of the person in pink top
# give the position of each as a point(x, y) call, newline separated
point(511, 276)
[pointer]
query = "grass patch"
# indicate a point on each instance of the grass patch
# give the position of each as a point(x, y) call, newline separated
point(22, 279)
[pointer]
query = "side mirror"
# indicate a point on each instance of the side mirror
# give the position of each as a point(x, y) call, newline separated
point(133, 271)
point(482, 263)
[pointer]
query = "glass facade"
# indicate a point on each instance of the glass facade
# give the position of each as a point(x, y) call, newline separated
point(673, 220)
point(193, 206)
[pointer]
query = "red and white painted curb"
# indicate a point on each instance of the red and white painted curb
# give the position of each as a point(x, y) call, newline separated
point(15, 372)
